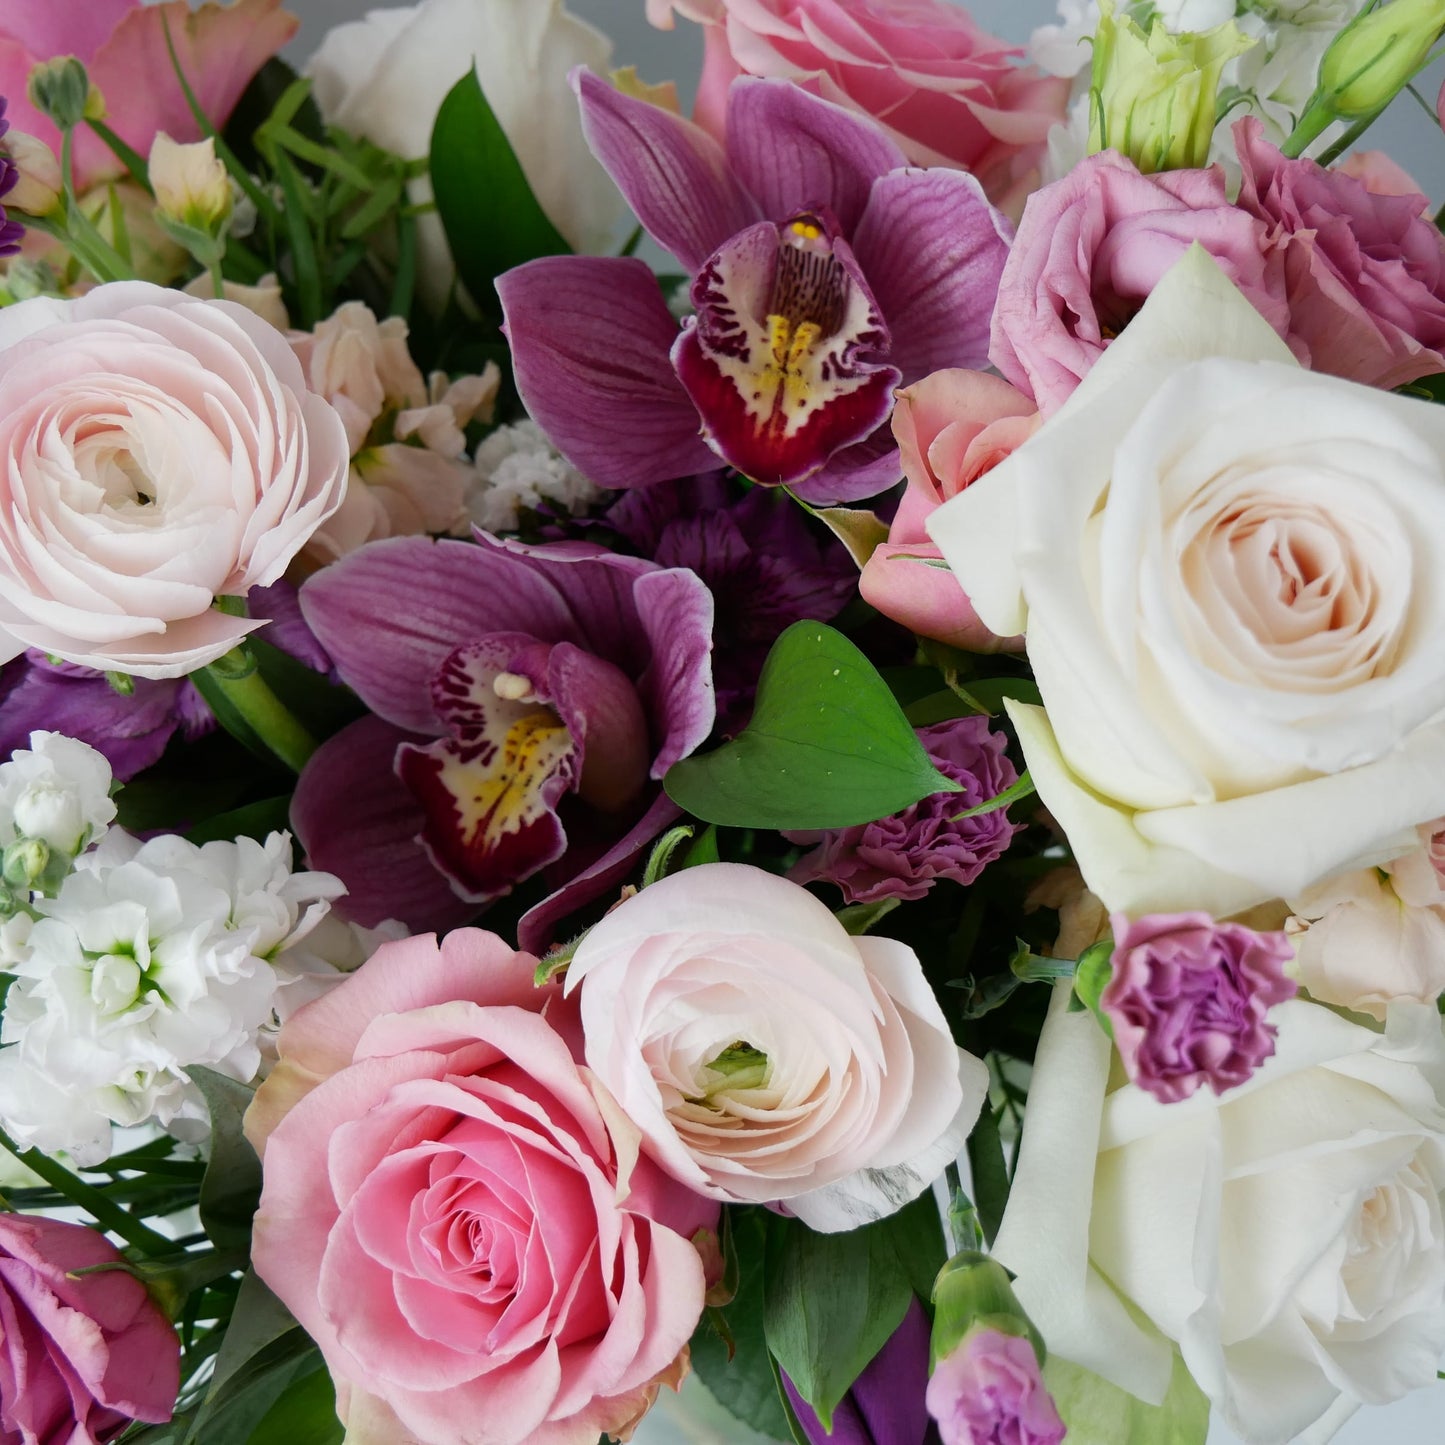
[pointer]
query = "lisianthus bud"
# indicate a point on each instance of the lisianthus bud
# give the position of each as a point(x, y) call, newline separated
point(190, 183)
point(1153, 97)
point(1375, 55)
point(989, 1390)
point(37, 184)
point(60, 90)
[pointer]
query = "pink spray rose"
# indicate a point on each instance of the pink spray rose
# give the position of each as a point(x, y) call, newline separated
point(459, 1216)
point(84, 1354)
point(1090, 249)
point(988, 1391)
point(947, 92)
point(158, 452)
point(952, 427)
point(123, 46)
point(1364, 271)
point(1188, 1000)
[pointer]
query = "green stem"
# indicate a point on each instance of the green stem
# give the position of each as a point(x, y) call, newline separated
point(1317, 118)
point(1330, 156)
point(264, 713)
point(218, 283)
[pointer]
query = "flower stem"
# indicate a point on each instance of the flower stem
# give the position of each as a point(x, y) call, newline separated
point(250, 697)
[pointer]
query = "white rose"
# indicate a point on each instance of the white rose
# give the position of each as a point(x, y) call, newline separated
point(1227, 569)
point(385, 77)
point(764, 1054)
point(57, 790)
point(1288, 1236)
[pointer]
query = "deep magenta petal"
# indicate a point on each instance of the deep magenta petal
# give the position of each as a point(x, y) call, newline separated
point(857, 472)
point(604, 714)
point(356, 819)
point(590, 338)
point(933, 250)
point(675, 610)
point(795, 152)
point(674, 175)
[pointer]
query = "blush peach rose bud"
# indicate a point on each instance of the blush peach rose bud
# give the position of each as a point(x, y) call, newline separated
point(190, 182)
point(36, 191)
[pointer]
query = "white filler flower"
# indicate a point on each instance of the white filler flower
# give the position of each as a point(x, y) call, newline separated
point(56, 791)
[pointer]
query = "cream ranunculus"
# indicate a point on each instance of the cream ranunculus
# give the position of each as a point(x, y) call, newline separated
point(156, 452)
point(385, 77)
point(764, 1054)
point(1228, 573)
point(1287, 1237)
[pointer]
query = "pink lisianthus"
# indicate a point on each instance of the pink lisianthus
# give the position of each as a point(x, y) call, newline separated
point(1090, 250)
point(459, 1216)
point(951, 427)
point(1188, 1000)
point(948, 93)
point(988, 1391)
point(1364, 271)
point(123, 46)
point(84, 1354)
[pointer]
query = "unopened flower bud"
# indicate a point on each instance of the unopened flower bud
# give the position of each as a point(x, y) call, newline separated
point(53, 814)
point(60, 90)
point(25, 863)
point(36, 191)
point(1371, 60)
point(190, 183)
point(971, 1291)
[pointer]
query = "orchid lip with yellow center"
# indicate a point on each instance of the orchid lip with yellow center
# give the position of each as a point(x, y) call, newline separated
point(786, 362)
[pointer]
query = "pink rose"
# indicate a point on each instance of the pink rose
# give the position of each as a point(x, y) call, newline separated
point(1364, 271)
point(951, 427)
point(947, 92)
point(1090, 249)
point(84, 1354)
point(458, 1215)
point(123, 46)
point(158, 452)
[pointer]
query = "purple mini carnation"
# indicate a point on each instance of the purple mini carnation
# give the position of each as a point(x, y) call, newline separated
point(902, 855)
point(1188, 1000)
point(988, 1391)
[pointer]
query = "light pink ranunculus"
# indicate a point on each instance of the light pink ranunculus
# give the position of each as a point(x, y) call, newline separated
point(459, 1216)
point(84, 1354)
point(1364, 272)
point(949, 93)
point(767, 1055)
point(951, 427)
point(1091, 248)
point(123, 46)
point(156, 452)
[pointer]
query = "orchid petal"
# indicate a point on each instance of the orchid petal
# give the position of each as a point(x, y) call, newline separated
point(676, 613)
point(795, 152)
point(675, 176)
point(855, 473)
point(590, 339)
point(933, 250)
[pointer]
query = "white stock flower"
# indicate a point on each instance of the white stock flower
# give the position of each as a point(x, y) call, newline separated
point(1287, 1236)
point(764, 1054)
point(153, 959)
point(517, 466)
point(1224, 567)
point(57, 790)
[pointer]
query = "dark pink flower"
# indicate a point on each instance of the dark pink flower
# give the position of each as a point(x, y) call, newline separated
point(1364, 272)
point(1188, 1000)
point(904, 854)
point(988, 1391)
point(84, 1354)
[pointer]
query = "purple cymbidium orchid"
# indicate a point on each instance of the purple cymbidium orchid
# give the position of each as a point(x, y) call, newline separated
point(525, 701)
point(825, 273)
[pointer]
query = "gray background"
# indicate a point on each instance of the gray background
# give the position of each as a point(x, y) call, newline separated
point(1406, 132)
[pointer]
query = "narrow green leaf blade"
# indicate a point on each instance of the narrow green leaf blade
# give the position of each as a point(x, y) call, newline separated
point(828, 746)
point(231, 1187)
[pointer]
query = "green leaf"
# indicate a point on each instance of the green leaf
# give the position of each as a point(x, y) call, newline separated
point(1098, 1413)
point(916, 1234)
point(831, 1301)
point(305, 1414)
point(255, 820)
point(827, 747)
point(703, 850)
point(231, 1187)
point(492, 220)
point(1024, 788)
point(990, 1172)
point(858, 918)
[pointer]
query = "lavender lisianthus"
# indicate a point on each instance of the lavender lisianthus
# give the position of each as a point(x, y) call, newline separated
point(904, 854)
point(10, 231)
point(988, 1391)
point(1189, 999)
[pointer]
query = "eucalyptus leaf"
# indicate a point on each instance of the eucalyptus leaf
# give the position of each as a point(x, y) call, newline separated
point(827, 747)
point(1098, 1413)
point(231, 1187)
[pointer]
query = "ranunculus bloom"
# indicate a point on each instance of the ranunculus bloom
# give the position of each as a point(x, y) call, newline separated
point(767, 1055)
point(526, 701)
point(1287, 1237)
point(1217, 559)
point(1091, 248)
point(159, 452)
point(85, 1354)
point(1364, 272)
point(949, 93)
point(1189, 1001)
point(905, 854)
point(123, 45)
point(952, 427)
point(988, 1391)
point(458, 1217)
